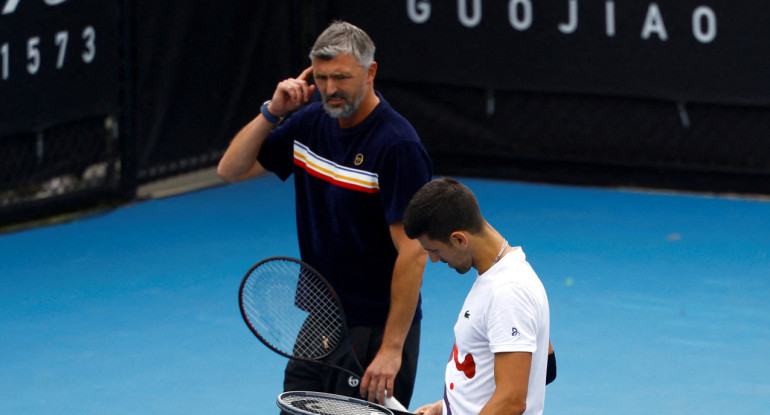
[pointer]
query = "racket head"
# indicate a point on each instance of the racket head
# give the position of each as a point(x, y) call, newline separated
point(320, 403)
point(291, 308)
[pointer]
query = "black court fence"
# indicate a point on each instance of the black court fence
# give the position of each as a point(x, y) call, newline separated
point(99, 98)
point(590, 140)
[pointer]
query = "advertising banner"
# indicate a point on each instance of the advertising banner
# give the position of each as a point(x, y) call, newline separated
point(59, 61)
point(715, 51)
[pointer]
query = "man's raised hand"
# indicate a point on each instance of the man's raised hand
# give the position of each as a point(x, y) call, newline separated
point(291, 94)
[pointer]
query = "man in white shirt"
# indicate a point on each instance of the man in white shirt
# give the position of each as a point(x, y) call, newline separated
point(502, 346)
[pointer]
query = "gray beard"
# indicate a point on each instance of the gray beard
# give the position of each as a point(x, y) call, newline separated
point(346, 110)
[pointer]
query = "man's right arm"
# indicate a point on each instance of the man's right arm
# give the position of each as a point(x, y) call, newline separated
point(511, 384)
point(239, 162)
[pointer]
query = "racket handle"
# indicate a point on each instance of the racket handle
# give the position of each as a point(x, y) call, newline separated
point(393, 403)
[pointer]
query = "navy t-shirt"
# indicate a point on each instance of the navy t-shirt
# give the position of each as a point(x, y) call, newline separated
point(350, 184)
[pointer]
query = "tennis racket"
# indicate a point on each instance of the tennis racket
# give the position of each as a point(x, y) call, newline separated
point(295, 312)
point(318, 403)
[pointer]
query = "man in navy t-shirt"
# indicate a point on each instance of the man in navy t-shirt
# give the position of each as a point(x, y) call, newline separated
point(356, 164)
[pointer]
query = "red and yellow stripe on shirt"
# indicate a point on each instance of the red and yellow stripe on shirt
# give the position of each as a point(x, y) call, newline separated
point(327, 170)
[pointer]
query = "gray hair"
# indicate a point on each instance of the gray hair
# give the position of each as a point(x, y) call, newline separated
point(343, 37)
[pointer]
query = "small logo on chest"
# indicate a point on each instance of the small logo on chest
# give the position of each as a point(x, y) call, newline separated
point(467, 314)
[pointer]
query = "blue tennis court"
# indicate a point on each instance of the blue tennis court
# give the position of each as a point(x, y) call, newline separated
point(660, 303)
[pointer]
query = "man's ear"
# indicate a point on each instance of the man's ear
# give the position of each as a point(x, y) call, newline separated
point(459, 239)
point(372, 72)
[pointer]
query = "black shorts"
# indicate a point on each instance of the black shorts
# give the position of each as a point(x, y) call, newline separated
point(366, 341)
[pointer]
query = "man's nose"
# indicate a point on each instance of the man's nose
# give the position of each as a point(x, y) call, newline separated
point(331, 87)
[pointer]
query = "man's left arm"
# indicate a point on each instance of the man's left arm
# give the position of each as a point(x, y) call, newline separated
point(404, 294)
point(550, 373)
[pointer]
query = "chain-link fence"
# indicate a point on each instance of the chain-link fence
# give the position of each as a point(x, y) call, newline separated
point(63, 166)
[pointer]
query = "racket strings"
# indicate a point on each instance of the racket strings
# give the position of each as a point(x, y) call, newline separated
point(326, 404)
point(292, 309)
point(271, 319)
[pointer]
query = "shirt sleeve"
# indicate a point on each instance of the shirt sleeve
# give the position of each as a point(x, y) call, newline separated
point(406, 168)
point(277, 152)
point(511, 325)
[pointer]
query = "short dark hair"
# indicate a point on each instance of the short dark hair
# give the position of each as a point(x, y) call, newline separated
point(440, 207)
